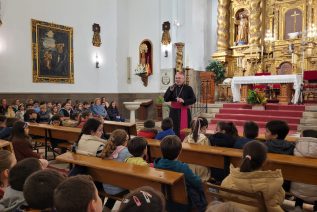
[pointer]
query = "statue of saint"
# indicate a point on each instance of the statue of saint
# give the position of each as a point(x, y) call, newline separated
point(243, 29)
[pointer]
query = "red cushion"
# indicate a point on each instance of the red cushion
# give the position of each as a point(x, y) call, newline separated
point(310, 75)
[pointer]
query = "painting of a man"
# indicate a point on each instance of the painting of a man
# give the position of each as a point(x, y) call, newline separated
point(54, 53)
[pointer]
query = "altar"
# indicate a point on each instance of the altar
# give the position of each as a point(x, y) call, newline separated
point(284, 80)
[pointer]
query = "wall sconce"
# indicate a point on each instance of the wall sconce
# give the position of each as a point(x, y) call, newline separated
point(97, 61)
point(165, 50)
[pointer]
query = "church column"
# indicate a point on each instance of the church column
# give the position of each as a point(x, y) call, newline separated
point(223, 26)
point(276, 23)
point(255, 22)
point(309, 13)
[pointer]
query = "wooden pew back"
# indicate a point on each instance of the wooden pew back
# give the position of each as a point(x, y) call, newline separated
point(130, 176)
point(298, 169)
point(6, 145)
point(255, 199)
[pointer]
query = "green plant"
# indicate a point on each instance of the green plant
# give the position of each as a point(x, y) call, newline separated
point(254, 97)
point(218, 69)
point(159, 100)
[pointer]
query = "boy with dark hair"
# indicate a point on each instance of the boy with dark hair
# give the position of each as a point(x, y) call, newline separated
point(5, 131)
point(13, 197)
point(276, 132)
point(30, 116)
point(86, 106)
point(137, 147)
point(171, 147)
point(148, 131)
point(39, 189)
point(78, 194)
point(167, 127)
point(250, 132)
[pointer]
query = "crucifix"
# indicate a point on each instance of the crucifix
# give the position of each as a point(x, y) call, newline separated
point(295, 19)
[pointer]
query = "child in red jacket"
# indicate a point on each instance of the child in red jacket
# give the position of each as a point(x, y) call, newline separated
point(149, 130)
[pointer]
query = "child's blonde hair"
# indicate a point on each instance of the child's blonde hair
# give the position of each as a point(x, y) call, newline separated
point(117, 138)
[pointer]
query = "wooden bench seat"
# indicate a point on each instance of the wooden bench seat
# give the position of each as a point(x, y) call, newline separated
point(6, 145)
point(298, 169)
point(131, 176)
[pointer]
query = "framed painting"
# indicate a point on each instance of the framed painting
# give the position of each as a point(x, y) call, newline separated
point(52, 53)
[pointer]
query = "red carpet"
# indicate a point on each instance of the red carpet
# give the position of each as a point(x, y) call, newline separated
point(239, 113)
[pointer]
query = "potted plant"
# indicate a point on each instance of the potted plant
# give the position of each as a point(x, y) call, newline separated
point(159, 105)
point(256, 99)
point(214, 75)
point(218, 69)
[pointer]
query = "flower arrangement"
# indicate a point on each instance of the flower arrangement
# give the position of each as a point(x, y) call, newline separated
point(255, 97)
point(140, 70)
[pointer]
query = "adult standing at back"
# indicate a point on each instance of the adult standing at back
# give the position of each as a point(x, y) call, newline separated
point(181, 97)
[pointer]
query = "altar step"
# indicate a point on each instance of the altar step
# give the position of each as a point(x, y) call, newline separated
point(239, 113)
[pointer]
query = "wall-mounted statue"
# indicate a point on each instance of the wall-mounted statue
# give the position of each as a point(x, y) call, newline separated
point(145, 66)
point(242, 27)
point(96, 40)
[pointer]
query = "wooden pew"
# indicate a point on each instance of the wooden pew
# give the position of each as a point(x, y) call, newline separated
point(130, 176)
point(6, 145)
point(110, 126)
point(297, 169)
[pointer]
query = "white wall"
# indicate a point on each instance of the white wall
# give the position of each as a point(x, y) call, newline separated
point(140, 20)
point(124, 24)
point(16, 58)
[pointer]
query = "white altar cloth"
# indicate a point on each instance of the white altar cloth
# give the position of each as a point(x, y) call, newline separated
point(291, 78)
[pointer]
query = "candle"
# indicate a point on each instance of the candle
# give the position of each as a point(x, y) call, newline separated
point(262, 51)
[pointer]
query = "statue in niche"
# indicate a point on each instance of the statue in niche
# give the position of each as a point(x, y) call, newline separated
point(144, 68)
point(242, 27)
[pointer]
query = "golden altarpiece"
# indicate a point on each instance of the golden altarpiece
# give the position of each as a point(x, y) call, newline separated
point(267, 36)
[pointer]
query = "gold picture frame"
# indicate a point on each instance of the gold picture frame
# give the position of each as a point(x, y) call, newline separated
point(52, 53)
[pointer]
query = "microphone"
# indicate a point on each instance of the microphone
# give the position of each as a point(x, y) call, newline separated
point(172, 87)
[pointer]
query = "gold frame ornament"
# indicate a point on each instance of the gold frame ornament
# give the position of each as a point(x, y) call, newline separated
point(52, 53)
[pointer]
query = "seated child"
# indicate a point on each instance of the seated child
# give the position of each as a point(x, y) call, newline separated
point(144, 198)
point(30, 116)
point(276, 132)
point(90, 142)
point(13, 196)
point(115, 149)
point(78, 194)
point(39, 189)
point(113, 112)
point(167, 127)
point(7, 161)
point(148, 131)
point(137, 147)
point(305, 147)
point(250, 133)
point(10, 112)
point(171, 147)
point(5, 131)
point(225, 136)
point(85, 115)
point(249, 177)
point(73, 121)
point(21, 142)
point(197, 136)
point(44, 115)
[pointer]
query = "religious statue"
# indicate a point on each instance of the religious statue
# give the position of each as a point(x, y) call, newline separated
point(242, 29)
point(144, 68)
